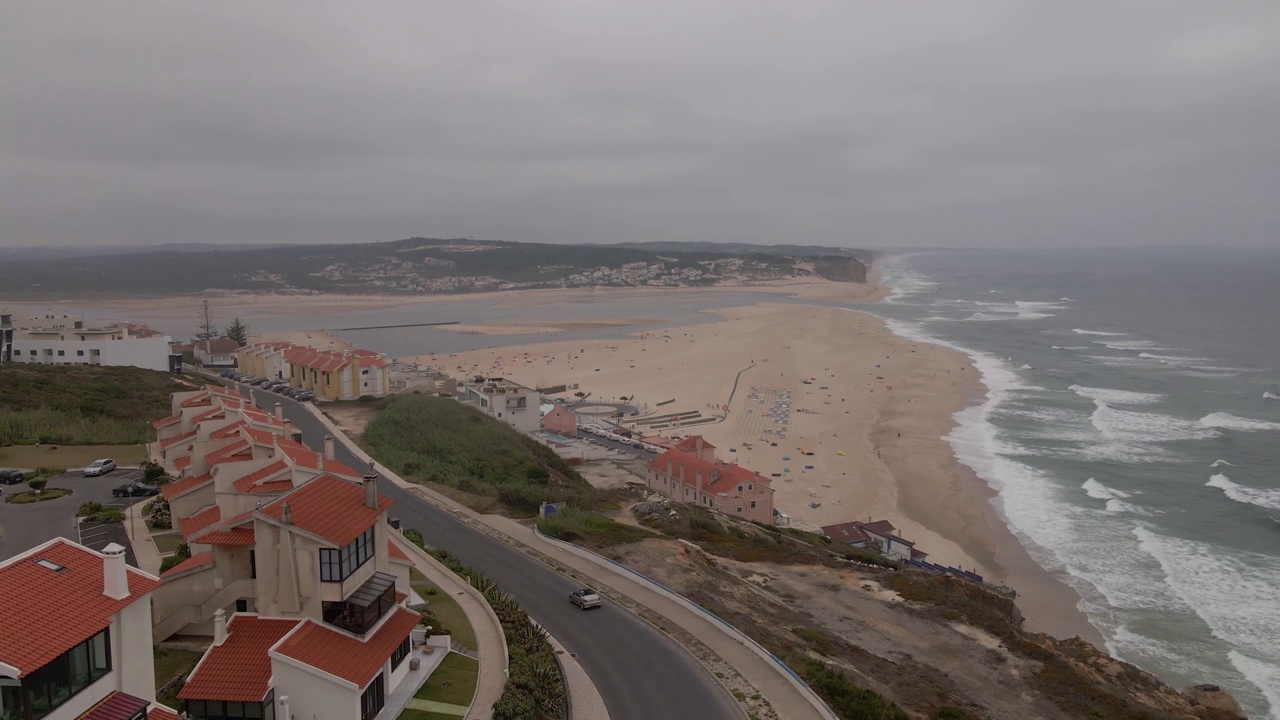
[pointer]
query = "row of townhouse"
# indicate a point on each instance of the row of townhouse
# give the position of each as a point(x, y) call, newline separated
point(330, 374)
point(75, 637)
point(690, 473)
point(293, 571)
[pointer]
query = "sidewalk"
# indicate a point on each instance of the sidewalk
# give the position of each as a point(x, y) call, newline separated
point(140, 539)
point(790, 698)
point(489, 636)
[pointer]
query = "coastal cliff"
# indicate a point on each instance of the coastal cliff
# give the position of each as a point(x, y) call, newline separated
point(840, 269)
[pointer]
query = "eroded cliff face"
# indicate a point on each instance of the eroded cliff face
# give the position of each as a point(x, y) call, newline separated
point(840, 269)
point(932, 644)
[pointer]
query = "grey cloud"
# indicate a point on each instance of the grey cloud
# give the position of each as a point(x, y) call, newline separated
point(994, 122)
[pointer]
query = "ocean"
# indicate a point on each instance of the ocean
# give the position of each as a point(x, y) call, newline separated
point(1132, 431)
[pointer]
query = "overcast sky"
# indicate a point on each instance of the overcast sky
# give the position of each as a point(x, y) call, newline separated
point(869, 124)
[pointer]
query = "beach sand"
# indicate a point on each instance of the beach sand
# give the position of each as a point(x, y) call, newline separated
point(873, 413)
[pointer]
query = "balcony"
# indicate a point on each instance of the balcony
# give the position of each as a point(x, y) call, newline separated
point(365, 606)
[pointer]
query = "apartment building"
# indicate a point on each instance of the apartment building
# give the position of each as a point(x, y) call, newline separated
point(502, 399)
point(75, 637)
point(330, 374)
point(51, 340)
point(293, 571)
point(690, 473)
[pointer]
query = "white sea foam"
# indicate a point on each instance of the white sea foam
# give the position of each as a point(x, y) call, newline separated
point(1175, 359)
point(1270, 396)
point(1236, 594)
point(1265, 675)
point(1135, 427)
point(1116, 397)
point(1227, 421)
point(1217, 463)
point(1070, 347)
point(1262, 497)
point(903, 281)
point(1119, 361)
point(1078, 331)
point(1127, 344)
point(1097, 490)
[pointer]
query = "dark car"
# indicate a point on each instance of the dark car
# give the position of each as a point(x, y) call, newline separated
point(11, 477)
point(226, 373)
point(135, 489)
point(305, 396)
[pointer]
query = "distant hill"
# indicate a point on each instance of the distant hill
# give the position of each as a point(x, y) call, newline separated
point(410, 266)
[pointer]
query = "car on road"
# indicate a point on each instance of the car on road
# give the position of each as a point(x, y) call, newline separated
point(586, 598)
point(135, 489)
point(11, 477)
point(100, 467)
point(305, 396)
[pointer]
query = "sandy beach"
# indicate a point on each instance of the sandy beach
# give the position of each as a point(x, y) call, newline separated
point(863, 439)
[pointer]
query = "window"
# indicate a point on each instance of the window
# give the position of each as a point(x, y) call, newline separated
point(80, 353)
point(337, 565)
point(232, 710)
point(62, 353)
point(33, 352)
point(371, 700)
point(753, 504)
point(253, 564)
point(400, 654)
point(50, 686)
point(242, 605)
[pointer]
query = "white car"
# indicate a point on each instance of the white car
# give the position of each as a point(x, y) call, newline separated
point(100, 467)
point(586, 598)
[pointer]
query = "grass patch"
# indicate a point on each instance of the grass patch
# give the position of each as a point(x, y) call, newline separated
point(847, 699)
point(172, 662)
point(449, 614)
point(416, 576)
point(454, 682)
point(411, 714)
point(439, 440)
point(590, 529)
point(69, 456)
point(166, 544)
point(81, 404)
point(740, 540)
point(30, 496)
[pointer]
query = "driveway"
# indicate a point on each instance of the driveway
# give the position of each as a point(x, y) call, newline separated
point(25, 526)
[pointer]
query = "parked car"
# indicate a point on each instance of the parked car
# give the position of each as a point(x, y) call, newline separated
point(100, 467)
point(586, 598)
point(280, 388)
point(11, 477)
point(305, 396)
point(226, 373)
point(135, 489)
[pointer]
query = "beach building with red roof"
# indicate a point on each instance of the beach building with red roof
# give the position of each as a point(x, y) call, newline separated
point(74, 635)
point(330, 374)
point(690, 473)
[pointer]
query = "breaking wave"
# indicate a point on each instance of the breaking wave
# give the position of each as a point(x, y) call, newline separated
point(1262, 497)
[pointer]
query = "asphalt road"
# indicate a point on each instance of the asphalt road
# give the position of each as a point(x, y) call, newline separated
point(25, 526)
point(640, 672)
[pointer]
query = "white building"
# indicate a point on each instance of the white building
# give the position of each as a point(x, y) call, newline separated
point(68, 341)
point(75, 638)
point(510, 402)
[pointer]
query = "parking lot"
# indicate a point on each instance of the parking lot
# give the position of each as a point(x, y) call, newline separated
point(25, 526)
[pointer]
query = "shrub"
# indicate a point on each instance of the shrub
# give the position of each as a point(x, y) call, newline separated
point(89, 508)
point(415, 537)
point(160, 516)
point(846, 698)
point(170, 562)
point(37, 483)
point(107, 515)
point(151, 472)
point(588, 528)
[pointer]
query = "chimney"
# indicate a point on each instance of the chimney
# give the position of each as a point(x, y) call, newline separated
point(115, 578)
point(697, 445)
point(328, 447)
point(286, 514)
point(219, 626)
point(279, 411)
point(371, 489)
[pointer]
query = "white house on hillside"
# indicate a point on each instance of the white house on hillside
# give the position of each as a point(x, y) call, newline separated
point(70, 341)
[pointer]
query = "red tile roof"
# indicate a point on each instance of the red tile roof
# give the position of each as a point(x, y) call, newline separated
point(310, 459)
point(208, 414)
point(165, 422)
point(195, 561)
point(204, 398)
point(176, 440)
point(48, 612)
point(218, 346)
point(882, 527)
point(183, 462)
point(260, 437)
point(178, 487)
point(690, 444)
point(252, 483)
point(716, 477)
point(116, 706)
point(395, 553)
point(239, 669)
point(160, 712)
point(226, 451)
point(330, 508)
point(239, 537)
point(846, 533)
point(355, 661)
point(201, 520)
point(229, 431)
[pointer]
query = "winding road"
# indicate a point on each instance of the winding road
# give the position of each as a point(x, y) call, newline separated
point(640, 673)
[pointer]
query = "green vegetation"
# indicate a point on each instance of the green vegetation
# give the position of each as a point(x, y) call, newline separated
point(411, 714)
point(181, 553)
point(820, 643)
point(166, 542)
point(80, 404)
point(443, 613)
point(535, 686)
point(151, 473)
point(173, 662)
point(454, 682)
point(68, 456)
point(441, 441)
point(99, 513)
point(589, 529)
point(23, 498)
point(847, 699)
point(742, 541)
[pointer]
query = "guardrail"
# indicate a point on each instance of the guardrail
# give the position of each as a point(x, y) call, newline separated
point(814, 699)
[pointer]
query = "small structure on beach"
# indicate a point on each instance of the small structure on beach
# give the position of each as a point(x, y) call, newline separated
point(880, 533)
point(690, 473)
point(560, 419)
